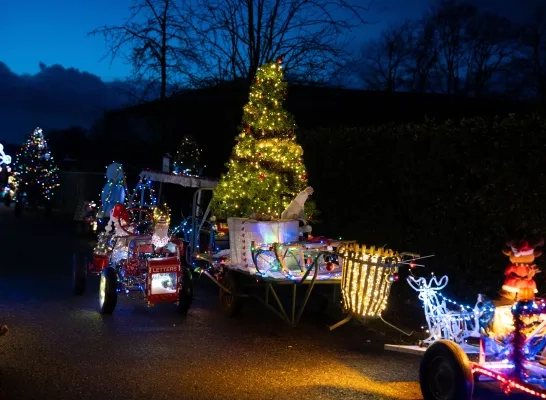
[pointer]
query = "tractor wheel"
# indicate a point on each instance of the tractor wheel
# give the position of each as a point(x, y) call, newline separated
point(79, 275)
point(185, 294)
point(18, 208)
point(108, 294)
point(229, 301)
point(445, 373)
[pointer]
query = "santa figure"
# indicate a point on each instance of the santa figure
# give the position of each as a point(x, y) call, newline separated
point(520, 273)
point(120, 217)
point(160, 236)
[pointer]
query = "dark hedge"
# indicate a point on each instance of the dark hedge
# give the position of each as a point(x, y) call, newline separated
point(457, 189)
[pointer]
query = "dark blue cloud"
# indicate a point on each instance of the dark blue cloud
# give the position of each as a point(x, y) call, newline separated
point(54, 98)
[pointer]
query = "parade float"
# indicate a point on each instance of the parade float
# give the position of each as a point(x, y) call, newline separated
point(131, 260)
point(261, 208)
point(250, 232)
point(501, 340)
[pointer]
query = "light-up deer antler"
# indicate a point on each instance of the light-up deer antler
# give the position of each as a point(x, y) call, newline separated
point(421, 284)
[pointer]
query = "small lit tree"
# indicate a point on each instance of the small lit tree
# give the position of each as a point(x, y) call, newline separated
point(34, 167)
point(266, 163)
point(188, 157)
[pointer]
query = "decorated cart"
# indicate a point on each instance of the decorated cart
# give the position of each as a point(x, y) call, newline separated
point(501, 340)
point(266, 256)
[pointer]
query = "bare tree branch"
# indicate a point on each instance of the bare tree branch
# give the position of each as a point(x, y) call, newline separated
point(384, 60)
point(240, 35)
point(156, 42)
point(490, 41)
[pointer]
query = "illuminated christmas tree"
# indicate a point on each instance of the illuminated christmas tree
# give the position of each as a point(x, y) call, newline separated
point(188, 157)
point(34, 167)
point(266, 163)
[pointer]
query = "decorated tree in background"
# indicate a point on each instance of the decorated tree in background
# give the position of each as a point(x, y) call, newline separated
point(35, 169)
point(266, 163)
point(188, 157)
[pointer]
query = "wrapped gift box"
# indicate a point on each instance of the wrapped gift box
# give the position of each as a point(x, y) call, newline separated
point(243, 231)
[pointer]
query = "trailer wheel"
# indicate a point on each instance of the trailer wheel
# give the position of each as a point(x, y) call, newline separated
point(79, 275)
point(185, 294)
point(108, 294)
point(231, 305)
point(445, 373)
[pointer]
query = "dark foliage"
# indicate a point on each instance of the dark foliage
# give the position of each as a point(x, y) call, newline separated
point(453, 189)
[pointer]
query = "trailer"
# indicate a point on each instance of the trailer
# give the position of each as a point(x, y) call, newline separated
point(499, 343)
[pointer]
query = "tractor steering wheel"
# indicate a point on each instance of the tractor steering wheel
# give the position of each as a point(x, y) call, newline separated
point(148, 215)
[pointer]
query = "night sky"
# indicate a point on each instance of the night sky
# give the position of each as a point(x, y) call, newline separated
point(50, 69)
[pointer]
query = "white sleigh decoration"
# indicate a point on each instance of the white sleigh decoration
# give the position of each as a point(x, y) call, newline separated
point(443, 323)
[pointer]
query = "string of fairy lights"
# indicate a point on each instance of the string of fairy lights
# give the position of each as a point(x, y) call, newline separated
point(35, 167)
point(267, 161)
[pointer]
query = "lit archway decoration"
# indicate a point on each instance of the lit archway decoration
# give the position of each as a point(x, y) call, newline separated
point(4, 158)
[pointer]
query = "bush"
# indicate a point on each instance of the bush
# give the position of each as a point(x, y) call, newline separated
point(457, 189)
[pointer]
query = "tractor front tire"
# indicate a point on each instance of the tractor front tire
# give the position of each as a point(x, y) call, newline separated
point(108, 294)
point(185, 293)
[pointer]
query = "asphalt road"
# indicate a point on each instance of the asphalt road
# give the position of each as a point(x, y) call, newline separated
point(59, 347)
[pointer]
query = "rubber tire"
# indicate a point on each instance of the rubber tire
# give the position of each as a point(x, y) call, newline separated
point(18, 208)
point(231, 305)
point(110, 292)
point(449, 356)
point(185, 294)
point(79, 275)
point(48, 207)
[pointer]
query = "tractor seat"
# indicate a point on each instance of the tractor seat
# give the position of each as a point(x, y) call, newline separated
point(142, 245)
point(146, 248)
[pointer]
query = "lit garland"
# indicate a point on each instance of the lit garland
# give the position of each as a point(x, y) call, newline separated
point(266, 161)
point(34, 165)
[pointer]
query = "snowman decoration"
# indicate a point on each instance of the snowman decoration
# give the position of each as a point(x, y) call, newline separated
point(295, 211)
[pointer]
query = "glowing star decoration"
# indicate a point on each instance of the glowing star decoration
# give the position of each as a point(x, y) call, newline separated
point(4, 158)
point(443, 323)
point(160, 237)
point(365, 283)
point(266, 161)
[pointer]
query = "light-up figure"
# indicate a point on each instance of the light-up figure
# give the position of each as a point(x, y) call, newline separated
point(442, 323)
point(114, 191)
point(160, 236)
point(4, 158)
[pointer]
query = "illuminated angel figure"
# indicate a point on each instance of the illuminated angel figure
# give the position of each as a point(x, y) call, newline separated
point(4, 158)
point(442, 323)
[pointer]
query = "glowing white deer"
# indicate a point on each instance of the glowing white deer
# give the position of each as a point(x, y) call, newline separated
point(442, 322)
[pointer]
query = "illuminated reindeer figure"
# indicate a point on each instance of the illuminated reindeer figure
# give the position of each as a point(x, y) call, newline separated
point(442, 323)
